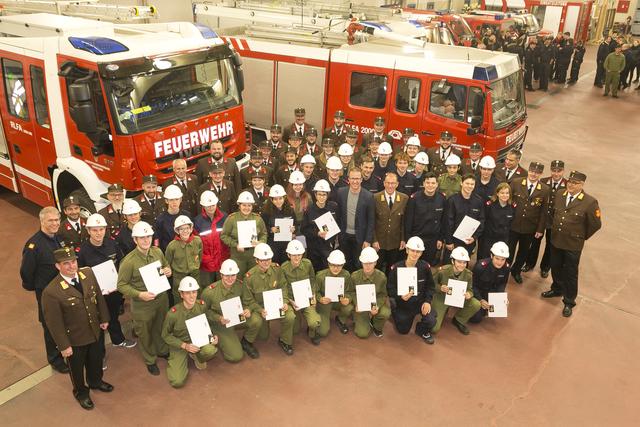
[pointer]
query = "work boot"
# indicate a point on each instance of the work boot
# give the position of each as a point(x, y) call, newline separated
point(285, 347)
point(344, 329)
point(199, 365)
point(249, 348)
point(462, 328)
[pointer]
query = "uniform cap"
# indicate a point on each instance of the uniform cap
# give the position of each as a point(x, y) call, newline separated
point(500, 249)
point(408, 132)
point(256, 154)
point(188, 284)
point(295, 247)
point(336, 258)
point(130, 207)
point(291, 150)
point(351, 132)
point(300, 111)
point(415, 243)
point(536, 167)
point(262, 251)
point(368, 254)
point(311, 131)
point(460, 254)
point(487, 162)
point(345, 150)
point(557, 164)
point(308, 158)
point(208, 198)
point(245, 197)
point(216, 167)
point(322, 185)
point(276, 128)
point(295, 135)
point(475, 147)
point(96, 220)
point(70, 201)
point(339, 114)
point(452, 160)
point(385, 148)
point(149, 179)
point(422, 158)
point(264, 144)
point(141, 229)
point(297, 177)
point(113, 188)
point(414, 140)
point(180, 221)
point(229, 267)
point(257, 174)
point(379, 120)
point(577, 176)
point(172, 192)
point(277, 191)
point(334, 163)
point(64, 254)
point(445, 134)
point(327, 141)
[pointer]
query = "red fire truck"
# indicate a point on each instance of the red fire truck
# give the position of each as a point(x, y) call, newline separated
point(87, 103)
point(478, 95)
point(462, 33)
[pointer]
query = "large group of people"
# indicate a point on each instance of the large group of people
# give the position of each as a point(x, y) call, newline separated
point(617, 60)
point(396, 206)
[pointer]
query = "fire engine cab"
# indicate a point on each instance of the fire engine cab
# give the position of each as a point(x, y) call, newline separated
point(87, 103)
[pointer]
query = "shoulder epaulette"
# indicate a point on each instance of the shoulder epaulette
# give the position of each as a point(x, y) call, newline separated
point(247, 274)
point(483, 263)
point(173, 309)
point(212, 286)
point(488, 203)
point(201, 302)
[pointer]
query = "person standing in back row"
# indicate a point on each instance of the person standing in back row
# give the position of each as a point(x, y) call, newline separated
point(613, 66)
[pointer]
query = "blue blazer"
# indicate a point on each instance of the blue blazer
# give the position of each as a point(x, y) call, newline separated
point(365, 214)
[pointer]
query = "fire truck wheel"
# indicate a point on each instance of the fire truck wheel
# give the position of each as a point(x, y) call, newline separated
point(87, 207)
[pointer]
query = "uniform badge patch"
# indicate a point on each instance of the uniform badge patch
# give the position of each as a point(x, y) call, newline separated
point(598, 213)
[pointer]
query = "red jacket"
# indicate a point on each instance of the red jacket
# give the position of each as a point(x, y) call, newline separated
point(214, 252)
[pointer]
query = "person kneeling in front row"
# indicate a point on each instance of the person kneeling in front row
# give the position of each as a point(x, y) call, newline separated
point(490, 275)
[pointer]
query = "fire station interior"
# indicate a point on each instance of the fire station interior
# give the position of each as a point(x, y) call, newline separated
point(534, 367)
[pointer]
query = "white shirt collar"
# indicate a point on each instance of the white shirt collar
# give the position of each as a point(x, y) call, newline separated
point(69, 279)
point(392, 196)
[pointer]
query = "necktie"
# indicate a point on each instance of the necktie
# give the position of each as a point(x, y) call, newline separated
point(444, 155)
point(530, 189)
point(509, 173)
point(555, 186)
point(259, 194)
point(390, 203)
point(570, 199)
point(76, 284)
point(474, 165)
point(152, 202)
point(78, 227)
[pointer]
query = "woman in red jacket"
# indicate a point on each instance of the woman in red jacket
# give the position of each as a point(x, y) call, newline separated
point(208, 225)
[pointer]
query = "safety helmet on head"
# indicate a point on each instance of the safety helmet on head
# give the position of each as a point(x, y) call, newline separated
point(208, 198)
point(336, 258)
point(277, 191)
point(229, 267)
point(141, 229)
point(452, 160)
point(297, 177)
point(172, 192)
point(130, 207)
point(500, 249)
point(246, 197)
point(487, 162)
point(262, 251)
point(188, 284)
point(295, 247)
point(414, 140)
point(368, 254)
point(334, 163)
point(385, 148)
point(180, 221)
point(460, 254)
point(322, 185)
point(422, 158)
point(345, 150)
point(96, 220)
point(415, 243)
point(308, 158)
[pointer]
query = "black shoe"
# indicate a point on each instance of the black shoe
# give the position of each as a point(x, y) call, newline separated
point(517, 277)
point(61, 368)
point(599, 85)
point(462, 328)
point(104, 387)
point(567, 311)
point(86, 403)
point(315, 340)
point(376, 332)
point(550, 294)
point(344, 329)
point(249, 348)
point(530, 89)
point(428, 338)
point(153, 369)
point(615, 96)
point(544, 273)
point(525, 268)
point(286, 348)
point(605, 94)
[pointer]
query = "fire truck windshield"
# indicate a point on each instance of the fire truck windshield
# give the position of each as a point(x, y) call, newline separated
point(157, 99)
point(460, 28)
point(507, 100)
point(532, 25)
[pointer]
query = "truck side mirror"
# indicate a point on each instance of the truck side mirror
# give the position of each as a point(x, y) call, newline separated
point(474, 125)
point(81, 107)
point(79, 92)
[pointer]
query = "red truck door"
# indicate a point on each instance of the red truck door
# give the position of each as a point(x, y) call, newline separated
point(407, 104)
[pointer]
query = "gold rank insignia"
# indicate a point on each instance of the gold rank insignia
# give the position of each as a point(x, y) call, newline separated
point(581, 196)
point(274, 283)
point(64, 284)
point(597, 213)
point(82, 276)
point(31, 245)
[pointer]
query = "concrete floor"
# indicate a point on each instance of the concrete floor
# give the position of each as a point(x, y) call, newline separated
point(534, 368)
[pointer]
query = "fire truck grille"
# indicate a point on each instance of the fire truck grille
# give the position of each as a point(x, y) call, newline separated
point(191, 155)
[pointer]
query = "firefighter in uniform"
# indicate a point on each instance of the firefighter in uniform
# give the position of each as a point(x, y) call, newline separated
point(258, 190)
point(498, 216)
point(147, 309)
point(418, 301)
point(217, 157)
point(112, 213)
point(176, 335)
point(378, 132)
point(457, 270)
point(243, 256)
point(310, 146)
point(490, 275)
point(576, 218)
point(365, 321)
point(75, 313)
point(231, 287)
point(266, 276)
point(151, 203)
point(472, 164)
point(438, 156)
point(255, 165)
point(224, 189)
point(450, 182)
point(530, 64)
point(344, 305)
point(370, 182)
point(338, 132)
point(188, 184)
point(278, 146)
point(487, 182)
point(184, 253)
point(462, 204)
point(295, 269)
point(388, 232)
point(511, 170)
point(288, 164)
point(328, 150)
point(72, 231)
point(131, 212)
point(298, 127)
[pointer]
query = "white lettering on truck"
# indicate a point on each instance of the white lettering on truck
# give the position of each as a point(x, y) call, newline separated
point(192, 139)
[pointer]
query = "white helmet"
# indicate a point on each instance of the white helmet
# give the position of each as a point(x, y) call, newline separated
point(415, 243)
point(500, 249)
point(130, 207)
point(460, 254)
point(385, 148)
point(308, 158)
point(296, 177)
point(246, 197)
point(96, 220)
point(487, 162)
point(262, 251)
point(188, 284)
point(277, 191)
point(229, 267)
point(345, 150)
point(322, 185)
point(141, 229)
point(422, 158)
point(208, 198)
point(368, 254)
point(452, 160)
point(334, 163)
point(180, 221)
point(295, 247)
point(336, 258)
point(172, 192)
point(414, 140)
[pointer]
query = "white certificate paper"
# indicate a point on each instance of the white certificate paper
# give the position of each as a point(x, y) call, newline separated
point(407, 280)
point(334, 288)
point(199, 330)
point(366, 297)
point(107, 276)
point(247, 232)
point(455, 294)
point(273, 303)
point(232, 311)
point(302, 293)
point(325, 222)
point(154, 281)
point(467, 227)
point(498, 304)
point(284, 235)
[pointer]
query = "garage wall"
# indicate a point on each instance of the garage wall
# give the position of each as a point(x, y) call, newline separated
point(168, 10)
